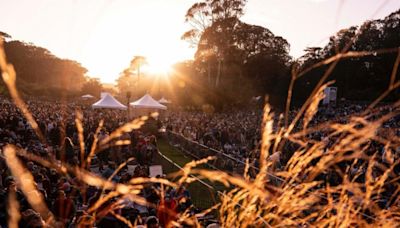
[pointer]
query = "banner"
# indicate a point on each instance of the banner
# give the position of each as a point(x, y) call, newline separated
point(155, 170)
point(330, 95)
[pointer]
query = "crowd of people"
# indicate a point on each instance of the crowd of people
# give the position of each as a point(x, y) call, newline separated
point(233, 137)
point(237, 133)
point(65, 195)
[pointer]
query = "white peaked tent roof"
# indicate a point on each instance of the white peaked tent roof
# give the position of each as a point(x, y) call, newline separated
point(87, 96)
point(164, 101)
point(147, 102)
point(109, 101)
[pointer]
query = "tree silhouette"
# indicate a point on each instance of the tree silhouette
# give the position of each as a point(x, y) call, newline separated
point(136, 63)
point(92, 86)
point(126, 82)
point(202, 15)
point(237, 56)
point(358, 78)
point(4, 35)
point(40, 72)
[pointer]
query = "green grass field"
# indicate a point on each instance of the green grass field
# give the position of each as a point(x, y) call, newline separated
point(202, 196)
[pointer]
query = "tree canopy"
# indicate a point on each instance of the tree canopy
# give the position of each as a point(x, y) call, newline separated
point(42, 73)
point(233, 62)
point(92, 86)
point(202, 15)
point(234, 57)
point(361, 77)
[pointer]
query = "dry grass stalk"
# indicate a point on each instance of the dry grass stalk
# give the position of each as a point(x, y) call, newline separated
point(313, 107)
point(122, 219)
point(394, 71)
point(26, 183)
point(128, 127)
point(79, 127)
point(94, 144)
point(345, 55)
point(13, 209)
point(9, 78)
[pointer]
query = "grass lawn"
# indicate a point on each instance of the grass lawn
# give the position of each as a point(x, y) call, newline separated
point(202, 196)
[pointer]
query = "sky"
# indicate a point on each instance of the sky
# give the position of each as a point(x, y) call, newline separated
point(104, 35)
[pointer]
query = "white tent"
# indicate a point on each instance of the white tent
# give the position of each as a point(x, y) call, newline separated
point(164, 101)
point(87, 96)
point(147, 102)
point(102, 94)
point(109, 101)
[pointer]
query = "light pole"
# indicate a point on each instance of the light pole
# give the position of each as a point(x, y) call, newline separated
point(128, 97)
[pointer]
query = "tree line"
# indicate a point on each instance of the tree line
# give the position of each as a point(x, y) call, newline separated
point(234, 61)
point(364, 77)
point(40, 73)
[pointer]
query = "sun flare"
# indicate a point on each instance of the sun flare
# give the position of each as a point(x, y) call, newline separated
point(158, 66)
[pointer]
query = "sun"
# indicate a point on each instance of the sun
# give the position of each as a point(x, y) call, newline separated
point(158, 66)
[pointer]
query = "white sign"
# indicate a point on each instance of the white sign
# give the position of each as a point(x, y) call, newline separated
point(155, 170)
point(131, 169)
point(330, 95)
point(326, 98)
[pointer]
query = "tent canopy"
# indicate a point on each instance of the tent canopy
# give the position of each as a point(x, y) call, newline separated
point(87, 96)
point(164, 101)
point(147, 102)
point(110, 102)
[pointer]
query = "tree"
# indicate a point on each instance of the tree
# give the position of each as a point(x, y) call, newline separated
point(242, 57)
point(126, 83)
point(207, 14)
point(202, 15)
point(4, 35)
point(233, 56)
point(92, 86)
point(136, 63)
point(359, 78)
point(198, 16)
point(40, 72)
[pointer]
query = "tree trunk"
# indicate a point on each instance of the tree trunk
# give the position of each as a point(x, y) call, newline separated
point(209, 72)
point(219, 73)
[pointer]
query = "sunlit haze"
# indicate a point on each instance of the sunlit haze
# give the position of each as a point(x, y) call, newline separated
point(104, 35)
